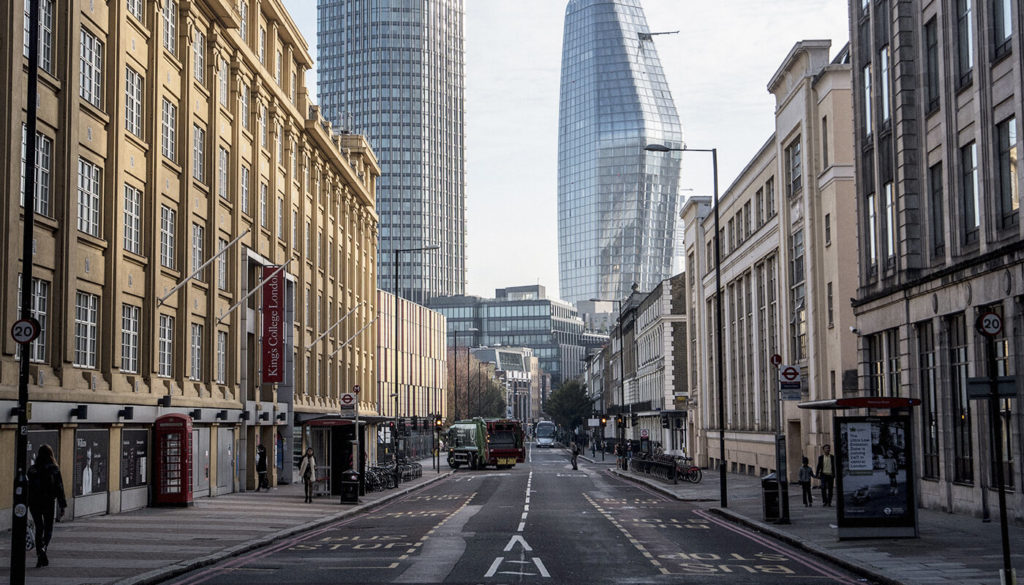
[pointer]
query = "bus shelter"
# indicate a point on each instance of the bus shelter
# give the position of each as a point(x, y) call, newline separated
point(875, 490)
point(333, 439)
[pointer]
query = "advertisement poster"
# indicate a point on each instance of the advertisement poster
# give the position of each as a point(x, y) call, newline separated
point(273, 325)
point(37, 439)
point(134, 451)
point(875, 481)
point(91, 448)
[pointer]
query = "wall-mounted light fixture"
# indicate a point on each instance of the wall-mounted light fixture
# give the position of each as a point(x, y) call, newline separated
point(221, 415)
point(282, 416)
point(126, 413)
point(164, 401)
point(196, 414)
point(81, 412)
point(265, 416)
point(244, 415)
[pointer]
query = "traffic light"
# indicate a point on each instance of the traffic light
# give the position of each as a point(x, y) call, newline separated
point(438, 423)
point(665, 421)
point(620, 421)
point(415, 423)
point(604, 420)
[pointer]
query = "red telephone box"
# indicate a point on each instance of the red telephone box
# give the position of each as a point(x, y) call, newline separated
point(173, 453)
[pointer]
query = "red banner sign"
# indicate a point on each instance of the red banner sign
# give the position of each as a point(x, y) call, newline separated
point(273, 325)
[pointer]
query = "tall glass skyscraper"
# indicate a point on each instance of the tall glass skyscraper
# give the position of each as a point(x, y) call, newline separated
point(617, 204)
point(393, 70)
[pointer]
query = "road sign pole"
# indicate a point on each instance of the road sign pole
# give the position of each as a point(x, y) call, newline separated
point(780, 459)
point(997, 431)
point(990, 324)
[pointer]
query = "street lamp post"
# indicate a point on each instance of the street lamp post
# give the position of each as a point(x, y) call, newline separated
point(620, 429)
point(394, 438)
point(719, 369)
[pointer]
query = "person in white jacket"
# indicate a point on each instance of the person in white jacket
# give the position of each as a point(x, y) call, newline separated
point(307, 471)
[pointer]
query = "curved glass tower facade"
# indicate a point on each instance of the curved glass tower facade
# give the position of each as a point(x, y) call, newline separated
point(393, 70)
point(617, 204)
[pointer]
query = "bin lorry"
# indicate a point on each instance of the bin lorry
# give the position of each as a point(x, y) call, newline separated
point(477, 443)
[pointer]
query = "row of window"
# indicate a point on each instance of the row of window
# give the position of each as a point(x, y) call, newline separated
point(86, 335)
point(746, 221)
point(967, 207)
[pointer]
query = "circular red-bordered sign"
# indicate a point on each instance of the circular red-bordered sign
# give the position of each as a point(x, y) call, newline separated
point(990, 324)
point(776, 359)
point(790, 373)
point(347, 399)
point(25, 330)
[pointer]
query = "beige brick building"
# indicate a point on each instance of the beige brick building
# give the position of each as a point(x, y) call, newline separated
point(787, 253)
point(167, 130)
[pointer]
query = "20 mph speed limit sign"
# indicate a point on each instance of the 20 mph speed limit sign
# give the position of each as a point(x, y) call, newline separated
point(990, 324)
point(25, 330)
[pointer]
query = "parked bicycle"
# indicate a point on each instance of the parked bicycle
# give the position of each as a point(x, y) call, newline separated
point(685, 469)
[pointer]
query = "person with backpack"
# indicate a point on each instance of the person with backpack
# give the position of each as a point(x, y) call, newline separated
point(45, 489)
point(307, 471)
point(261, 468)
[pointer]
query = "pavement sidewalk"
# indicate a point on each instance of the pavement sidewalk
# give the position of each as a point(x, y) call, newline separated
point(155, 544)
point(952, 548)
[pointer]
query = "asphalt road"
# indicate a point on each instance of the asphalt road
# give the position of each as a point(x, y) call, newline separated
point(540, 522)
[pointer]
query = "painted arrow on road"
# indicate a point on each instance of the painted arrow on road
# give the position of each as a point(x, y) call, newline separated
point(522, 541)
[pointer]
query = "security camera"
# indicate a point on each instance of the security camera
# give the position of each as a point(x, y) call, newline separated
point(854, 330)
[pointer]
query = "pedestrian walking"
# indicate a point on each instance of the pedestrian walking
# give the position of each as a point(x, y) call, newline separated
point(805, 482)
point(825, 471)
point(575, 448)
point(307, 470)
point(45, 493)
point(261, 468)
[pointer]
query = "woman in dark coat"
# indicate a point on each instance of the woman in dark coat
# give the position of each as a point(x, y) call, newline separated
point(45, 488)
point(261, 468)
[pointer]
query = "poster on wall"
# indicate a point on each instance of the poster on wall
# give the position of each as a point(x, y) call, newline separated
point(91, 465)
point(134, 463)
point(875, 483)
point(37, 439)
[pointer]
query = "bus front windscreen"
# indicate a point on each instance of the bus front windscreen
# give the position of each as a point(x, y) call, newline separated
point(545, 430)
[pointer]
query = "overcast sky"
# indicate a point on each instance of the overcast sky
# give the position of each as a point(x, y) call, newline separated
point(718, 68)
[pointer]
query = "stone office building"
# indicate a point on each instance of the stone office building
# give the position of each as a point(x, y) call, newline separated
point(937, 107)
point(786, 264)
point(171, 134)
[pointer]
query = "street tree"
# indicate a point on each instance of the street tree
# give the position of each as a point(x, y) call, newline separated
point(569, 406)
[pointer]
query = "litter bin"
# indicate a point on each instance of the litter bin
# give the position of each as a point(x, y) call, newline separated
point(770, 494)
point(350, 487)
